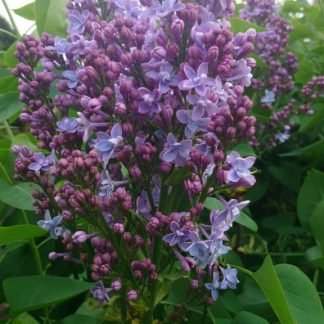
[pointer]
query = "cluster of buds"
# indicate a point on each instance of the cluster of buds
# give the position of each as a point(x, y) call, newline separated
point(150, 103)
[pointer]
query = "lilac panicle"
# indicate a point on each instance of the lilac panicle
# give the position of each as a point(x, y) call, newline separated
point(149, 101)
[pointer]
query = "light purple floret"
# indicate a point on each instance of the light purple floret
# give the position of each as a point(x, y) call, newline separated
point(239, 173)
point(106, 144)
point(149, 102)
point(196, 80)
point(72, 78)
point(176, 152)
point(68, 125)
point(214, 286)
point(77, 21)
point(193, 120)
point(164, 77)
point(51, 225)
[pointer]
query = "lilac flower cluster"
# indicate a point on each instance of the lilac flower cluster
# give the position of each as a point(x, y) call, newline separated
point(270, 45)
point(150, 102)
point(276, 79)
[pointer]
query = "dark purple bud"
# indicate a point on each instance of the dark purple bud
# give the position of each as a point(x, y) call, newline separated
point(194, 284)
point(177, 27)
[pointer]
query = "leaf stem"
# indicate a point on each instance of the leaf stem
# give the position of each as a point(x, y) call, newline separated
point(12, 20)
point(9, 131)
point(287, 254)
point(6, 32)
point(316, 277)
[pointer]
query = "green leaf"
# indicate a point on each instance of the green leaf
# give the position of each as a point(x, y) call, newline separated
point(9, 105)
point(27, 11)
point(317, 224)
point(17, 195)
point(313, 153)
point(247, 221)
point(9, 56)
point(240, 25)
point(8, 84)
point(19, 233)
point(24, 318)
point(267, 278)
point(78, 318)
point(244, 149)
point(16, 260)
point(35, 292)
point(287, 173)
point(302, 297)
point(51, 16)
point(310, 194)
point(248, 318)
point(25, 139)
point(212, 203)
point(289, 291)
point(305, 72)
point(178, 293)
point(311, 121)
point(315, 256)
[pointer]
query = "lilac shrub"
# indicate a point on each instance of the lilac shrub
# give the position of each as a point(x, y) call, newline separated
point(136, 114)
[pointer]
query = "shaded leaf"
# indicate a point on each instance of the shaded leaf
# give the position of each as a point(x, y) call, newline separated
point(317, 224)
point(9, 105)
point(18, 233)
point(248, 318)
point(36, 292)
point(310, 194)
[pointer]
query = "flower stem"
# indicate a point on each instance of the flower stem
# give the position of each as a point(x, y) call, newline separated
point(34, 248)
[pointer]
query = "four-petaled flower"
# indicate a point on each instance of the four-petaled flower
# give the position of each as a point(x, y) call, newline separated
point(167, 7)
point(60, 45)
point(41, 162)
point(202, 103)
point(176, 152)
point(143, 206)
point(238, 173)
point(164, 77)
point(241, 74)
point(196, 80)
point(180, 236)
point(200, 251)
point(130, 8)
point(269, 97)
point(77, 21)
point(214, 286)
point(193, 120)
point(229, 278)
point(68, 125)
point(149, 102)
point(221, 221)
point(100, 293)
point(107, 186)
point(106, 144)
point(51, 225)
point(72, 78)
